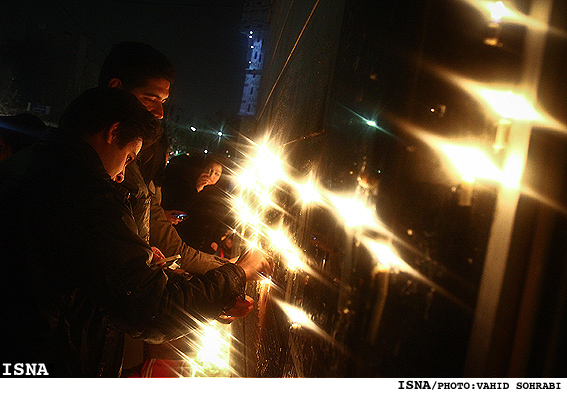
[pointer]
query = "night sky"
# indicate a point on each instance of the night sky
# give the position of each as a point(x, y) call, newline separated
point(201, 38)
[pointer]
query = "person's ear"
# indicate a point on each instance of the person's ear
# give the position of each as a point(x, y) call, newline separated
point(110, 134)
point(115, 83)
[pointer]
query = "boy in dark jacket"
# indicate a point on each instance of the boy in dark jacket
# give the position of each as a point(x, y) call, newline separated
point(73, 267)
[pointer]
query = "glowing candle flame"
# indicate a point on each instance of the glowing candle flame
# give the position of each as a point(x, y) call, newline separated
point(246, 179)
point(265, 198)
point(299, 318)
point(284, 246)
point(293, 260)
point(280, 240)
point(386, 256)
point(354, 212)
point(498, 11)
point(212, 351)
point(212, 347)
point(470, 162)
point(509, 105)
point(296, 315)
point(245, 214)
point(308, 192)
point(268, 166)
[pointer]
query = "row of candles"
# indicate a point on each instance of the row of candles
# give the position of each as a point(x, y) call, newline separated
point(264, 173)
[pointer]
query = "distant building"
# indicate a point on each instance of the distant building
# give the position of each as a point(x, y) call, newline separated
point(255, 24)
point(43, 70)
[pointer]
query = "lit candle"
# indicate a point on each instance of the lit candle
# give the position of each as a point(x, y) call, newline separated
point(264, 291)
point(381, 280)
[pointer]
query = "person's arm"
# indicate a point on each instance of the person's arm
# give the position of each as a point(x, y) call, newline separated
point(140, 299)
point(164, 236)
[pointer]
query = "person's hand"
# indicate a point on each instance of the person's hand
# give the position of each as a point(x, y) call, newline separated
point(175, 216)
point(158, 256)
point(241, 309)
point(202, 181)
point(254, 264)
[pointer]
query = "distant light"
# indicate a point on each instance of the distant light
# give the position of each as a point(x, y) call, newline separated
point(206, 151)
point(249, 36)
point(252, 46)
point(220, 133)
point(251, 32)
point(193, 128)
point(371, 123)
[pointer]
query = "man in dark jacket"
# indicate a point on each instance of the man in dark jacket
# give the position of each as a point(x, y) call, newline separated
point(147, 73)
point(73, 267)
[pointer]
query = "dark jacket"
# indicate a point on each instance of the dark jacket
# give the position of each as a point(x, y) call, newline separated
point(139, 199)
point(74, 270)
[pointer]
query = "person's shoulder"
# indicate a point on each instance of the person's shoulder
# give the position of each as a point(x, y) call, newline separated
point(32, 160)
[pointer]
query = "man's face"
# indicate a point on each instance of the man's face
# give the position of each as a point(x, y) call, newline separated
point(115, 159)
point(153, 94)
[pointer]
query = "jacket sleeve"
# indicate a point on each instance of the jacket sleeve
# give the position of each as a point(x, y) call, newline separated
point(163, 235)
point(203, 297)
point(141, 299)
point(140, 199)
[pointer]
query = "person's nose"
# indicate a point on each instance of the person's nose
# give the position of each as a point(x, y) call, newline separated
point(157, 110)
point(119, 178)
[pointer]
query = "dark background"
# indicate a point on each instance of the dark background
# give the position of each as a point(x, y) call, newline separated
point(41, 42)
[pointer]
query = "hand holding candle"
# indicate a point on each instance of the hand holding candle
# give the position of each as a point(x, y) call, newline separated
point(242, 308)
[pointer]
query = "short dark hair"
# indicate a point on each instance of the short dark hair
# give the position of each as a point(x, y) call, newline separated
point(99, 108)
point(134, 63)
point(212, 158)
